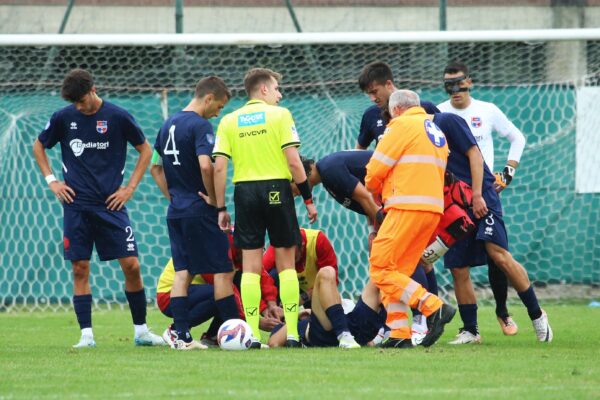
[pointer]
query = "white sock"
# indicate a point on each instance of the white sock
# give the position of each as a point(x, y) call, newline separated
point(87, 332)
point(140, 329)
point(344, 334)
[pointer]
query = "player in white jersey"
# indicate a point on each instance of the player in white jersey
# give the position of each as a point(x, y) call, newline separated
point(484, 118)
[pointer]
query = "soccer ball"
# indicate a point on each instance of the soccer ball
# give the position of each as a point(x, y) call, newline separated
point(234, 334)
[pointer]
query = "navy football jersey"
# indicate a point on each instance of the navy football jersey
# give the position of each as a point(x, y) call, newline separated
point(183, 137)
point(93, 149)
point(460, 139)
point(340, 173)
point(374, 121)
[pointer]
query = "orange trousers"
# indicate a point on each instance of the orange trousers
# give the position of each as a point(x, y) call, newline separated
point(396, 251)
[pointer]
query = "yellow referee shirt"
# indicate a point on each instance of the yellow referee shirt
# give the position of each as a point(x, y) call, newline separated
point(254, 137)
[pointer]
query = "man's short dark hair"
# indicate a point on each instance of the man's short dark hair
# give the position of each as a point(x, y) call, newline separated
point(212, 85)
point(375, 72)
point(307, 163)
point(76, 84)
point(454, 67)
point(257, 76)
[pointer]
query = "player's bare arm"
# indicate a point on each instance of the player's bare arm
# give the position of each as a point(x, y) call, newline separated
point(220, 184)
point(207, 171)
point(299, 176)
point(59, 188)
point(158, 173)
point(476, 165)
point(366, 200)
point(117, 200)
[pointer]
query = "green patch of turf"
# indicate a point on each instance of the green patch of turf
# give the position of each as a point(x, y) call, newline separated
point(36, 361)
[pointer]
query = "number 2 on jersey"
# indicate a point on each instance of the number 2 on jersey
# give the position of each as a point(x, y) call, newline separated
point(173, 150)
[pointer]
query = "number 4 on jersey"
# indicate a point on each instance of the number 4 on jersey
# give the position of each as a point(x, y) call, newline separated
point(173, 150)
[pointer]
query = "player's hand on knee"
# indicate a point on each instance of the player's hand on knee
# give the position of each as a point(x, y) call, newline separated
point(62, 192)
point(312, 212)
point(117, 200)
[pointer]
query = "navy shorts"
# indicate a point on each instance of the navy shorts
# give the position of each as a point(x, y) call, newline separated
point(110, 231)
point(470, 251)
point(317, 335)
point(364, 322)
point(198, 245)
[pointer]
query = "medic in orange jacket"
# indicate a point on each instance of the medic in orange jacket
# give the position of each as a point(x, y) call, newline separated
point(407, 170)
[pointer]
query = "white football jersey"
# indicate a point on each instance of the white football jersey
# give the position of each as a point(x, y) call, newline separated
point(483, 118)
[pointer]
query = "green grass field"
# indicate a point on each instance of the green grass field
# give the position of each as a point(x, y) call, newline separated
point(37, 362)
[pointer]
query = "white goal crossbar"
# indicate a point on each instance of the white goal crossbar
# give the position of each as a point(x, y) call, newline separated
point(240, 39)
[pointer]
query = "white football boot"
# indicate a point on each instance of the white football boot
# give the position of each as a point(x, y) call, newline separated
point(542, 328)
point(466, 337)
point(418, 330)
point(185, 346)
point(149, 339)
point(85, 341)
point(347, 341)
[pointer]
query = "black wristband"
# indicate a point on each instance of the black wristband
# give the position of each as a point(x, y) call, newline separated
point(224, 208)
point(304, 189)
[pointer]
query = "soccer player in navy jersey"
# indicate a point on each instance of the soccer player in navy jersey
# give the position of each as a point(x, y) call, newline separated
point(377, 81)
point(93, 136)
point(484, 118)
point(488, 240)
point(198, 246)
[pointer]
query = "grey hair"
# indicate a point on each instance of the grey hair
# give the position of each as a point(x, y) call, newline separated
point(404, 99)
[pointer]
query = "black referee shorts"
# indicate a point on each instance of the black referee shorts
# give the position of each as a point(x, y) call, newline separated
point(265, 206)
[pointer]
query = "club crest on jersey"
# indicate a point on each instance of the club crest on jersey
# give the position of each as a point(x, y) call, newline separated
point(101, 127)
point(476, 122)
point(434, 133)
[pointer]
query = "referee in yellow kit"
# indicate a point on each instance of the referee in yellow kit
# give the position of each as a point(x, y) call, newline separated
point(262, 141)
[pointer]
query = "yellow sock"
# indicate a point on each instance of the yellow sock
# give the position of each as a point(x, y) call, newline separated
point(250, 288)
point(289, 292)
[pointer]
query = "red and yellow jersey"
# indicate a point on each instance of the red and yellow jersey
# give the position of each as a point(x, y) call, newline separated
point(407, 167)
point(316, 252)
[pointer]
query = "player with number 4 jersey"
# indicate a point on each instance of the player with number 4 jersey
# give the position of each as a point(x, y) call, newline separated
point(185, 144)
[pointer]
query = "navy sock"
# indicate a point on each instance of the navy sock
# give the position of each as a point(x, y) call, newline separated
point(227, 308)
point(179, 308)
point(137, 305)
point(213, 329)
point(468, 314)
point(420, 277)
point(83, 310)
point(201, 312)
point(336, 315)
point(499, 285)
point(432, 282)
point(529, 298)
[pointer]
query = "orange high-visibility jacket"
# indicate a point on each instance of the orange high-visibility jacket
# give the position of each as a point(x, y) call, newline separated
point(408, 164)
